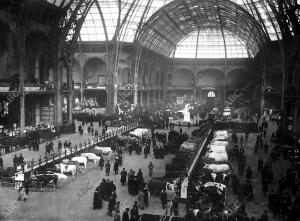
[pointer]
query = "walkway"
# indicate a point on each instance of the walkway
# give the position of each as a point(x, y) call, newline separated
point(256, 207)
point(75, 138)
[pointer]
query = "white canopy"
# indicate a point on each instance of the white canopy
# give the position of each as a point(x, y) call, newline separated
point(221, 137)
point(189, 146)
point(217, 168)
point(139, 132)
point(216, 148)
point(221, 133)
point(103, 149)
point(219, 143)
point(217, 157)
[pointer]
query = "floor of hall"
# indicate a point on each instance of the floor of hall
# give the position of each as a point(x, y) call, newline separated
point(259, 204)
point(66, 204)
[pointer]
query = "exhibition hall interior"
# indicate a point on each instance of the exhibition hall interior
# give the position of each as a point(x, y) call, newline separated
point(150, 110)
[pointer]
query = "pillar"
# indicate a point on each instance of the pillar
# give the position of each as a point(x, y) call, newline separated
point(21, 61)
point(148, 98)
point(57, 74)
point(154, 97)
point(70, 102)
point(141, 94)
point(37, 112)
point(37, 69)
point(159, 96)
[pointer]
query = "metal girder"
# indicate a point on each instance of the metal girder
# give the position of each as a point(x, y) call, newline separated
point(70, 31)
point(74, 16)
point(102, 19)
point(233, 17)
point(159, 34)
point(174, 23)
point(191, 16)
point(141, 23)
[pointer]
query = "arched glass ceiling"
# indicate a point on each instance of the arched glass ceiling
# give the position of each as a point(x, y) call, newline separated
point(210, 45)
point(167, 27)
point(93, 27)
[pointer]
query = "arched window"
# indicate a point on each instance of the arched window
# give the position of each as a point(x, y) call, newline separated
point(211, 94)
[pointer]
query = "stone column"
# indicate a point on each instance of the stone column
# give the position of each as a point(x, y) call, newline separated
point(159, 96)
point(154, 96)
point(21, 61)
point(148, 98)
point(37, 112)
point(37, 69)
point(70, 107)
point(141, 96)
point(57, 75)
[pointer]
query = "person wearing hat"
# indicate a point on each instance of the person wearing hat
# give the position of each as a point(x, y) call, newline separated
point(21, 159)
point(150, 169)
point(125, 216)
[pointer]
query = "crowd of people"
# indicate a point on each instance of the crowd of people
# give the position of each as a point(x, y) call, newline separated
point(282, 203)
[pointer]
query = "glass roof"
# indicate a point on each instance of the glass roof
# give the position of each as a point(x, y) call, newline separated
point(93, 27)
point(211, 45)
point(93, 30)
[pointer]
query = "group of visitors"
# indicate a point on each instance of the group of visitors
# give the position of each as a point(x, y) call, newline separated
point(49, 148)
point(18, 160)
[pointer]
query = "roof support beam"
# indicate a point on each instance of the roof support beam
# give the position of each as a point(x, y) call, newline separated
point(188, 10)
point(159, 34)
point(225, 47)
point(174, 23)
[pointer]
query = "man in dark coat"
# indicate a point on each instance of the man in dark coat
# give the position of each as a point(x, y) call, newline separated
point(107, 168)
point(123, 176)
point(150, 169)
point(125, 216)
point(163, 198)
point(101, 163)
point(140, 177)
point(97, 203)
point(1, 162)
point(134, 212)
point(111, 205)
point(102, 188)
point(146, 194)
point(21, 159)
point(116, 167)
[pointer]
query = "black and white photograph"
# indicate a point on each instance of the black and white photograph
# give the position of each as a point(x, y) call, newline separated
point(150, 110)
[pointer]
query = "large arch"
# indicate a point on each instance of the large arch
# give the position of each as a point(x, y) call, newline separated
point(94, 71)
point(182, 77)
point(176, 20)
point(210, 78)
point(38, 57)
